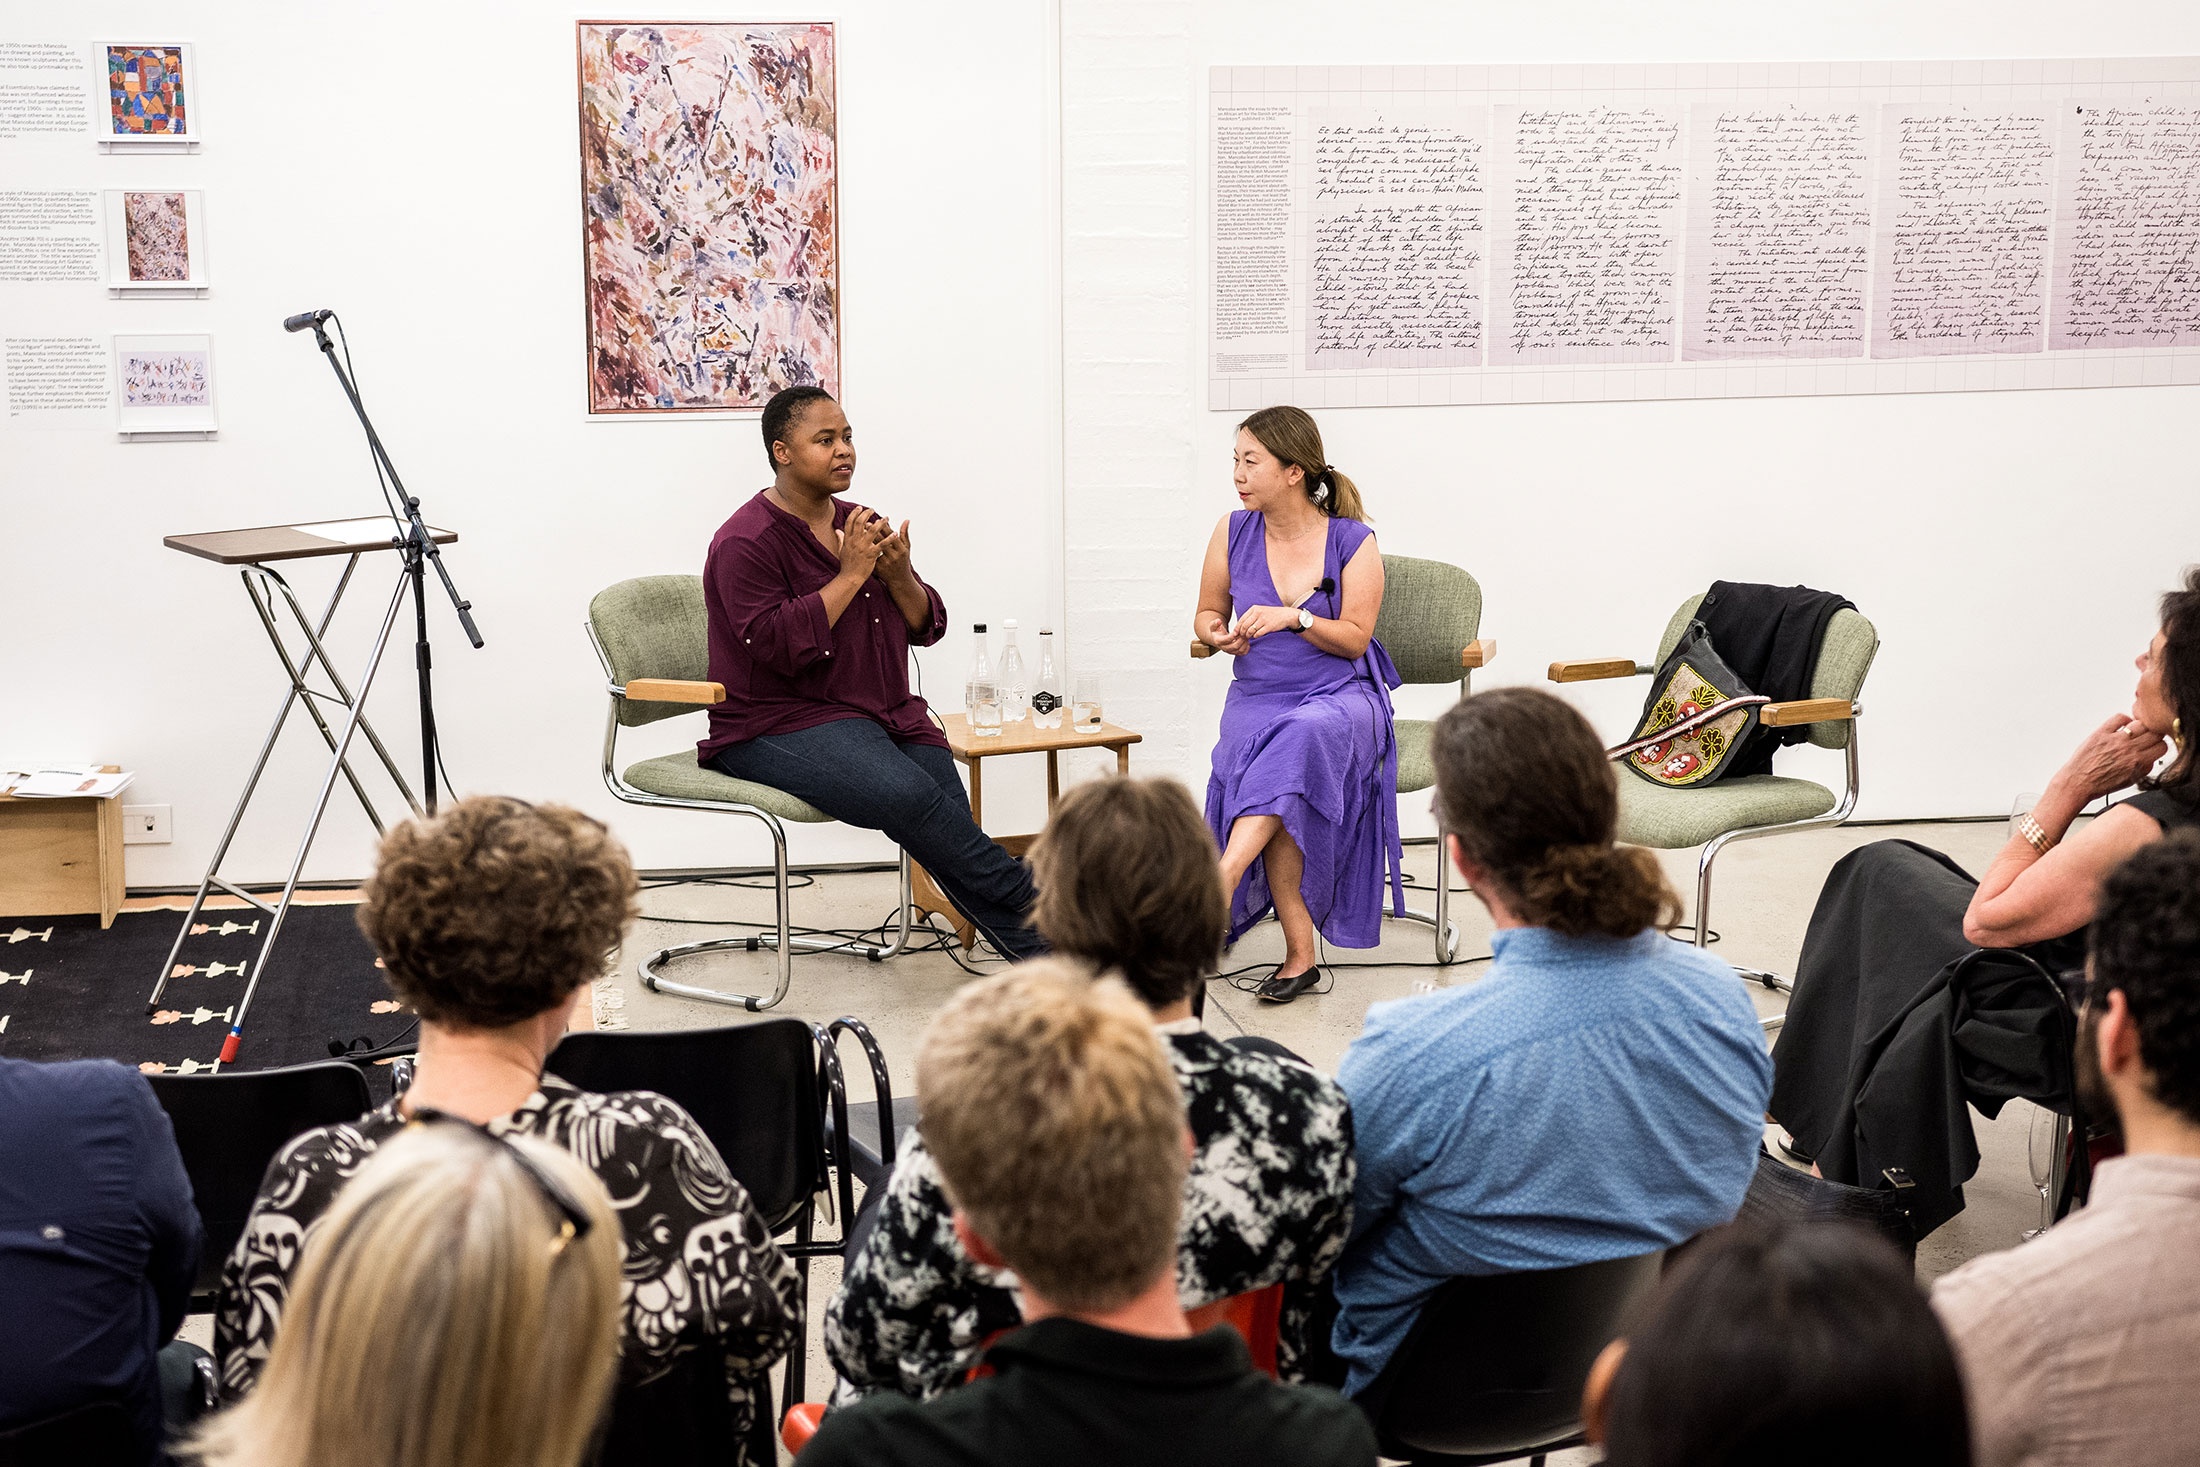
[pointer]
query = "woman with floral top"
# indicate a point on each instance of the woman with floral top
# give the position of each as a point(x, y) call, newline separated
point(490, 921)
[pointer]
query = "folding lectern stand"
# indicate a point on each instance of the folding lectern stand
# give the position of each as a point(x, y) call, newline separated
point(254, 551)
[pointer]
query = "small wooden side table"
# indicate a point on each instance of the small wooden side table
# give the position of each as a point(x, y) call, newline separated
point(1021, 737)
point(61, 856)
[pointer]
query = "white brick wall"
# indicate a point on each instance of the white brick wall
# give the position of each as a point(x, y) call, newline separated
point(1133, 527)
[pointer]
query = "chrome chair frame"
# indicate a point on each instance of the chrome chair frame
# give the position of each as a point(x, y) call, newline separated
point(783, 940)
point(1838, 815)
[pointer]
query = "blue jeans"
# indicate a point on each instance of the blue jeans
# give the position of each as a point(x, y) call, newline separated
point(860, 774)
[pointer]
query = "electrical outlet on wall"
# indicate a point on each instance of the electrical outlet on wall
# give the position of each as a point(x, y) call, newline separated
point(145, 825)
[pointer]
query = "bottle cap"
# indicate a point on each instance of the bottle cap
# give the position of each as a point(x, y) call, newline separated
point(1009, 625)
point(977, 626)
point(1046, 631)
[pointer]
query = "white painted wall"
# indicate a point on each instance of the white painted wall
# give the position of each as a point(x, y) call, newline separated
point(2008, 545)
point(434, 203)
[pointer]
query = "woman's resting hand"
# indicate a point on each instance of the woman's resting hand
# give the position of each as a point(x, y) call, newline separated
point(1232, 640)
point(2112, 757)
point(1258, 621)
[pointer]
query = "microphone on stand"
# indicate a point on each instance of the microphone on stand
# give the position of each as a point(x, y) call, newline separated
point(305, 320)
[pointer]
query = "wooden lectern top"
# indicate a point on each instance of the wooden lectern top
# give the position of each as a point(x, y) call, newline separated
point(297, 542)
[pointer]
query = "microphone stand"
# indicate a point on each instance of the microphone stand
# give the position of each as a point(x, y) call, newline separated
point(420, 552)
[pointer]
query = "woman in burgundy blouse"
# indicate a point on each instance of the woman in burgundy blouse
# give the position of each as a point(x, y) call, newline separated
point(813, 606)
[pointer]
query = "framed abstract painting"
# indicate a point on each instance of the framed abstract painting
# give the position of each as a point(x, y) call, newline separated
point(164, 386)
point(156, 242)
point(710, 218)
point(149, 95)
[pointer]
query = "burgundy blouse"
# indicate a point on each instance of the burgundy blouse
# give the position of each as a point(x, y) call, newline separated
point(784, 668)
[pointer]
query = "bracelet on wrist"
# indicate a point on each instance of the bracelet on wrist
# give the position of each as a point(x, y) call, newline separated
point(2034, 835)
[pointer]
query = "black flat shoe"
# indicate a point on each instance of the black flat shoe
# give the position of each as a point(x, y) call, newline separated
point(1788, 1144)
point(1276, 988)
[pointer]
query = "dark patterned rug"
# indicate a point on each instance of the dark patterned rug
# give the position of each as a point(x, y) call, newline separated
point(69, 990)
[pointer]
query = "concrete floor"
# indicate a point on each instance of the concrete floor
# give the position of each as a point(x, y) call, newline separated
point(1761, 905)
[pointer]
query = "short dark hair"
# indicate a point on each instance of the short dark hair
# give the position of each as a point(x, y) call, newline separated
point(495, 910)
point(1803, 1343)
point(2181, 684)
point(1130, 880)
point(2145, 940)
point(1523, 783)
point(786, 405)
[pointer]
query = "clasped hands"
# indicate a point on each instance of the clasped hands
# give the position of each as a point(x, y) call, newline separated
point(869, 544)
point(1256, 622)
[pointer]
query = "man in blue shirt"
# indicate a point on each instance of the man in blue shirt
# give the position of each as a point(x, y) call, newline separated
point(99, 1241)
point(1599, 1094)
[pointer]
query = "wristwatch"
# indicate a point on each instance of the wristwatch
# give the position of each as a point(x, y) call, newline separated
point(1306, 620)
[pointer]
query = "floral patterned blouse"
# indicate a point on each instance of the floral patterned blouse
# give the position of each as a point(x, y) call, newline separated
point(700, 1267)
point(1268, 1200)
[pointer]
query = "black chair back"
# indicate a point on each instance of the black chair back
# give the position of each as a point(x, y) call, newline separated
point(1493, 1367)
point(229, 1127)
point(753, 1089)
point(100, 1434)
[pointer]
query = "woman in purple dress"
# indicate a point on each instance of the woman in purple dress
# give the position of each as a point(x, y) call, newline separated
point(1303, 797)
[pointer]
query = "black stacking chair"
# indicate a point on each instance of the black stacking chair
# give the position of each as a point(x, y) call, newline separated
point(762, 1092)
point(229, 1127)
point(99, 1434)
point(1493, 1369)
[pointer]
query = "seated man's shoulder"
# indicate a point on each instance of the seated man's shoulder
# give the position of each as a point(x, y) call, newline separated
point(2077, 1264)
point(1303, 1424)
point(1256, 1422)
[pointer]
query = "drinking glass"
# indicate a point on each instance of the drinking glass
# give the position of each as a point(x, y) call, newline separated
point(1084, 704)
point(985, 714)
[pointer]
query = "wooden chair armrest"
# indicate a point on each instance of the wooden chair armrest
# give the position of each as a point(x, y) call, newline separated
point(1478, 653)
point(1588, 670)
point(674, 690)
point(1201, 649)
point(1806, 710)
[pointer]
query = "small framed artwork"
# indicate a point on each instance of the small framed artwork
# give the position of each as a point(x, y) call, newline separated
point(149, 95)
point(164, 386)
point(156, 242)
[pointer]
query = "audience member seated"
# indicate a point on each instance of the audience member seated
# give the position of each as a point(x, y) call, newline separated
point(491, 920)
point(1599, 1094)
point(457, 1306)
point(1804, 1345)
point(2084, 1346)
point(1893, 916)
point(98, 1242)
point(1127, 882)
point(1055, 1119)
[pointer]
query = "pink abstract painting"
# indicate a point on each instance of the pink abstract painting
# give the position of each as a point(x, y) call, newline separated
point(710, 215)
point(160, 244)
point(167, 379)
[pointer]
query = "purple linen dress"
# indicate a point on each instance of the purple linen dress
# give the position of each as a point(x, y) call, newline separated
point(1307, 737)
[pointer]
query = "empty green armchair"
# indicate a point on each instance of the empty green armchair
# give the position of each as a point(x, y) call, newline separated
point(651, 635)
point(1753, 805)
point(1430, 624)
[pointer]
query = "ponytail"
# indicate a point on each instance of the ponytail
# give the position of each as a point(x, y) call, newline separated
point(1334, 495)
point(1524, 786)
point(1600, 891)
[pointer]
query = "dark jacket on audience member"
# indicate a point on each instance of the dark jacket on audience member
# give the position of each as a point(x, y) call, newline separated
point(99, 1241)
point(1064, 1393)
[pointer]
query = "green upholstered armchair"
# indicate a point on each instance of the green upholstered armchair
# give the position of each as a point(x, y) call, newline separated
point(650, 635)
point(1429, 624)
point(1757, 804)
